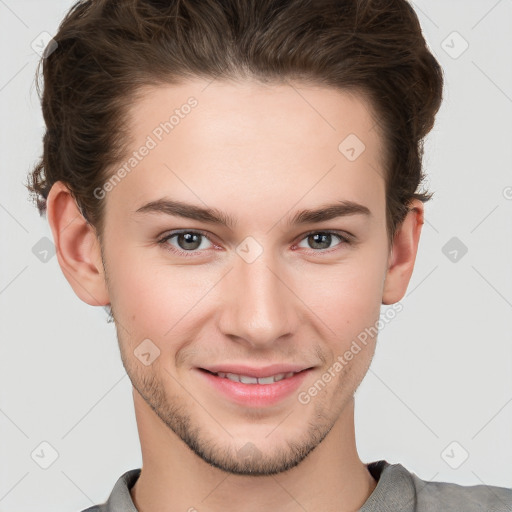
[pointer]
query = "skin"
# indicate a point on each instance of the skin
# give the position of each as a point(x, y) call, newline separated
point(259, 153)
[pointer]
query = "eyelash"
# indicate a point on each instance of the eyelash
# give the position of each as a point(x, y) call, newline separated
point(345, 240)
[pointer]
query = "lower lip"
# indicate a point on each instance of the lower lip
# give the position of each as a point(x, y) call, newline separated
point(256, 395)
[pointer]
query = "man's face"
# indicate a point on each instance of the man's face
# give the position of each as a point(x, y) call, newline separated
point(264, 291)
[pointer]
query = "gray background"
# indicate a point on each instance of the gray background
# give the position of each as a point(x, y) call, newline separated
point(440, 386)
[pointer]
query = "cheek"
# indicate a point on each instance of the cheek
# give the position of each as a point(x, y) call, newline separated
point(347, 296)
point(138, 297)
point(156, 300)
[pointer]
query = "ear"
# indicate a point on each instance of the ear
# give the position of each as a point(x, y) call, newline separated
point(403, 254)
point(77, 246)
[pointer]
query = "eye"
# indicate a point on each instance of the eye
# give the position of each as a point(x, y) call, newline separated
point(190, 243)
point(321, 240)
point(187, 242)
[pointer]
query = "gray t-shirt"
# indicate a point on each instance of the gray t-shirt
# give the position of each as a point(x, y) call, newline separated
point(397, 490)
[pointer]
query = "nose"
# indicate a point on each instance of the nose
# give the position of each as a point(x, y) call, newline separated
point(257, 306)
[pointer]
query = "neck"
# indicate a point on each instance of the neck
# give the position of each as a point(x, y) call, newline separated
point(173, 478)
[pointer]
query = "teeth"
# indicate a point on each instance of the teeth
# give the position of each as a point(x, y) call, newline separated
point(248, 380)
point(266, 380)
point(245, 379)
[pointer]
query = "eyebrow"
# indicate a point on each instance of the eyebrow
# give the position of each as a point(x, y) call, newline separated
point(175, 208)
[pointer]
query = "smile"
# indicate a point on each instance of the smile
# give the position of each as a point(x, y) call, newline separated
point(245, 379)
point(252, 391)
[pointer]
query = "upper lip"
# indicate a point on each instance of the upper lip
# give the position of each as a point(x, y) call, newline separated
point(251, 371)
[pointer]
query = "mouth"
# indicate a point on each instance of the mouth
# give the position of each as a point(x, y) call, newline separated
point(248, 379)
point(254, 387)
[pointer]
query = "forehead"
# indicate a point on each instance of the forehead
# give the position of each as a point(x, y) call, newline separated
point(221, 140)
point(244, 110)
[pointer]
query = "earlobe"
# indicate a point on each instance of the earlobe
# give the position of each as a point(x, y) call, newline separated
point(77, 246)
point(403, 254)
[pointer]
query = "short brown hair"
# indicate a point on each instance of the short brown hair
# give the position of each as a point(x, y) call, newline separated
point(108, 49)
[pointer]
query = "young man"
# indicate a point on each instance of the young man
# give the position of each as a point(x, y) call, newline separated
point(238, 181)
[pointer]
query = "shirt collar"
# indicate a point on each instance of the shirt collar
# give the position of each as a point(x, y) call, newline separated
point(394, 490)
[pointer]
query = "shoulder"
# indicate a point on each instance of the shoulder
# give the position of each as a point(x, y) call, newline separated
point(452, 497)
point(120, 499)
point(97, 508)
point(400, 489)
